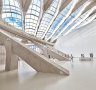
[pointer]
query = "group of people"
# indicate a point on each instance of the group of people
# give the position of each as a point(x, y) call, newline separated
point(91, 55)
point(82, 56)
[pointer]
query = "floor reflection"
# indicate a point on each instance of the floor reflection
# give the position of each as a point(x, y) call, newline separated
point(82, 77)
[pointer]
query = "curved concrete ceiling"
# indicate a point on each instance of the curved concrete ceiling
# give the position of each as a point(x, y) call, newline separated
point(25, 4)
point(45, 4)
point(90, 6)
point(64, 4)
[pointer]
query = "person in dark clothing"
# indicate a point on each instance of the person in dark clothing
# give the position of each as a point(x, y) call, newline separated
point(91, 56)
point(71, 57)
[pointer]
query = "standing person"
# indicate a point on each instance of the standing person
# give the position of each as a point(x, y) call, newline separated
point(91, 56)
point(82, 55)
point(72, 57)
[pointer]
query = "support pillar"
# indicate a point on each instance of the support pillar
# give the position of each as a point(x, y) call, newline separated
point(11, 58)
point(1, 4)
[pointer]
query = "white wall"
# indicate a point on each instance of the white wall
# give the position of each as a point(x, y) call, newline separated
point(82, 40)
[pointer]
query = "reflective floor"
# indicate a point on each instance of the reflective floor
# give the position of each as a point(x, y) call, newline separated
point(82, 77)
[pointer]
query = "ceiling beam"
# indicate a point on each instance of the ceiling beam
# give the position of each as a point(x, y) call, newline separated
point(91, 17)
point(64, 4)
point(44, 12)
point(40, 17)
point(80, 21)
point(79, 13)
point(90, 6)
point(59, 9)
point(89, 12)
point(62, 21)
point(55, 16)
point(25, 4)
point(94, 12)
point(47, 4)
point(81, 2)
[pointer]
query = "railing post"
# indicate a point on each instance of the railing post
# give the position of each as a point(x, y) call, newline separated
point(11, 58)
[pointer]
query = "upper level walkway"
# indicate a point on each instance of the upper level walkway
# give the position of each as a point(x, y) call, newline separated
point(15, 49)
point(45, 46)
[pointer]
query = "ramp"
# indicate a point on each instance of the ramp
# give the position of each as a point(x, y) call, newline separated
point(40, 43)
point(37, 61)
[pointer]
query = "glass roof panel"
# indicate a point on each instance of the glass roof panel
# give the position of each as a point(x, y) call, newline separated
point(11, 13)
point(78, 21)
point(47, 29)
point(87, 21)
point(59, 19)
point(32, 16)
point(75, 23)
point(47, 17)
point(70, 18)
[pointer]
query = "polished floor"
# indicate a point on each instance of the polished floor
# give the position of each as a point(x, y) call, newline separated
point(82, 77)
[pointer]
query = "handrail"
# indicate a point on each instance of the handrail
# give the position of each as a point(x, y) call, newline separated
point(52, 53)
point(9, 28)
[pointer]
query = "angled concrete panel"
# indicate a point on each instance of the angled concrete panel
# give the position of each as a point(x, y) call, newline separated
point(47, 4)
point(46, 51)
point(9, 28)
point(25, 4)
point(64, 4)
point(37, 61)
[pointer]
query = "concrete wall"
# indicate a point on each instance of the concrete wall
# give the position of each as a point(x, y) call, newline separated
point(82, 40)
point(2, 54)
